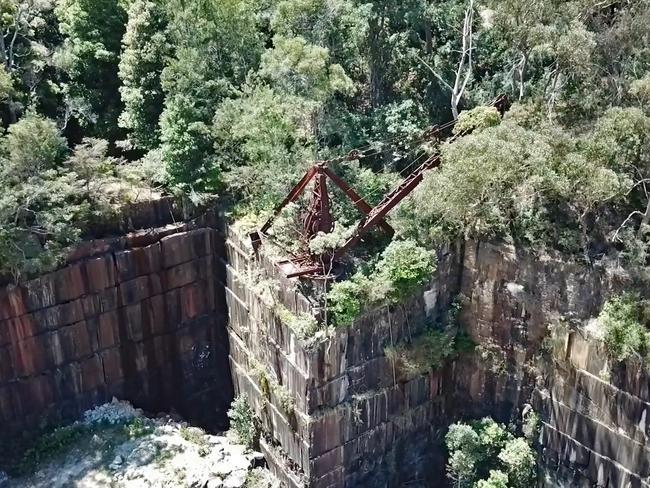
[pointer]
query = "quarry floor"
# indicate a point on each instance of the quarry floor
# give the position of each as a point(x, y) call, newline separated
point(121, 448)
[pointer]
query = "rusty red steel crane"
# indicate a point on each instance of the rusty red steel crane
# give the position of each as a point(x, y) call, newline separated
point(318, 218)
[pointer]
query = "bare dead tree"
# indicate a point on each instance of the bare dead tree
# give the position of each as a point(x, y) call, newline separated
point(465, 66)
point(521, 73)
point(645, 216)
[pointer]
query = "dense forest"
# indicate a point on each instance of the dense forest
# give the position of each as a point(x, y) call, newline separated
point(104, 101)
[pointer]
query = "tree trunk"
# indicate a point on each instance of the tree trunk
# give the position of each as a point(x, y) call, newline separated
point(523, 64)
point(3, 52)
point(455, 100)
point(464, 71)
point(377, 62)
point(11, 110)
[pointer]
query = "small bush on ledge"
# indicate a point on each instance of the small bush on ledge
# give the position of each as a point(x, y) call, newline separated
point(426, 353)
point(440, 342)
point(304, 325)
point(243, 422)
point(476, 119)
point(403, 268)
point(268, 385)
point(345, 301)
point(626, 335)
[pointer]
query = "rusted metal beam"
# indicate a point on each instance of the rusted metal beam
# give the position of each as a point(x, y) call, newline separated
point(319, 216)
point(388, 203)
point(256, 238)
point(299, 267)
point(356, 199)
point(391, 200)
point(293, 195)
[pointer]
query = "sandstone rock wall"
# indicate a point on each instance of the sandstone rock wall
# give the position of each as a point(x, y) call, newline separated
point(354, 422)
point(595, 430)
point(137, 317)
point(351, 421)
point(536, 315)
point(143, 317)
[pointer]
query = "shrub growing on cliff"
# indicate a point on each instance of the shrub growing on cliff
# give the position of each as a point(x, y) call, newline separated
point(304, 325)
point(243, 422)
point(403, 268)
point(536, 185)
point(625, 334)
point(345, 302)
point(497, 479)
point(428, 352)
point(518, 461)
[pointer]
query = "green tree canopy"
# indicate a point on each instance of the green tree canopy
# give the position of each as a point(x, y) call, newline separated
point(90, 56)
point(145, 49)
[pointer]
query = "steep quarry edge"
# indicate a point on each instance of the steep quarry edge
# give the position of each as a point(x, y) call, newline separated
point(163, 318)
point(352, 424)
point(136, 317)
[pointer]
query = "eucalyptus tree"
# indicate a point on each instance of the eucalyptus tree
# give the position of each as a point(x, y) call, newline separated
point(145, 49)
point(27, 39)
point(216, 43)
point(92, 32)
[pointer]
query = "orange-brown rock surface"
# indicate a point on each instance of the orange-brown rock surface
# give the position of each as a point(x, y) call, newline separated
point(137, 317)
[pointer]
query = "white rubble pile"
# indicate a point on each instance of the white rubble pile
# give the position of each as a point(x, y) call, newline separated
point(167, 454)
point(116, 412)
point(182, 456)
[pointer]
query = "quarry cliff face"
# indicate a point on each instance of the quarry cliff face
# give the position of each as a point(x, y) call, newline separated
point(355, 422)
point(534, 319)
point(174, 319)
point(135, 317)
